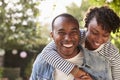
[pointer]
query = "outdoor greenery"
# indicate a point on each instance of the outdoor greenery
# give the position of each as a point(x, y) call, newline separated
point(20, 28)
point(79, 11)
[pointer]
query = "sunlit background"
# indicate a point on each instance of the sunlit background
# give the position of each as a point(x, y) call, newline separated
point(25, 26)
point(51, 8)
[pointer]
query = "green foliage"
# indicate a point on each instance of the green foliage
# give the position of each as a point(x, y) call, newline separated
point(114, 4)
point(11, 73)
point(79, 11)
point(115, 38)
point(1, 72)
point(19, 24)
point(20, 29)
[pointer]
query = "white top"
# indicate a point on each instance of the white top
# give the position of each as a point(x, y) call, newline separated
point(59, 75)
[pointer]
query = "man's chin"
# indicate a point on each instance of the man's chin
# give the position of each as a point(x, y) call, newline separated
point(67, 51)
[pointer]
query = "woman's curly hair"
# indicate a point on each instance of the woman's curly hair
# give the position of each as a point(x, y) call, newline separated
point(105, 17)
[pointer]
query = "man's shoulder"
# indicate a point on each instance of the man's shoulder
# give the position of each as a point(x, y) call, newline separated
point(42, 69)
point(40, 59)
point(40, 62)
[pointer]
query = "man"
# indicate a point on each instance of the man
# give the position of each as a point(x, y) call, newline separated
point(66, 35)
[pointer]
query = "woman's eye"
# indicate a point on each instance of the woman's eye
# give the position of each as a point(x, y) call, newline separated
point(95, 33)
point(105, 35)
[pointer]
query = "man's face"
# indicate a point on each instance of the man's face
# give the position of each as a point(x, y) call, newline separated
point(96, 35)
point(66, 35)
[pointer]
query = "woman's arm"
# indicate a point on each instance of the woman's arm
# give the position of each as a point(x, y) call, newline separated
point(52, 57)
point(111, 53)
point(115, 63)
point(116, 66)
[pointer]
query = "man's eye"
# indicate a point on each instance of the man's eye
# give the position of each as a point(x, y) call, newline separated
point(61, 33)
point(74, 32)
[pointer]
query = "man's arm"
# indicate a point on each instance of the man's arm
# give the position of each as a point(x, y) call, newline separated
point(35, 69)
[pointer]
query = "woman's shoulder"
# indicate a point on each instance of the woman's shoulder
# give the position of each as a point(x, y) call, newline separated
point(111, 46)
point(109, 50)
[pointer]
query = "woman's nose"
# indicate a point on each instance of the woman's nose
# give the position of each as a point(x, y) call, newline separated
point(99, 39)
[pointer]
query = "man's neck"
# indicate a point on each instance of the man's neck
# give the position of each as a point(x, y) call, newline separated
point(70, 56)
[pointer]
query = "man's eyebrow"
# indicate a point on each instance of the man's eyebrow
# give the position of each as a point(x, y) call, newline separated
point(74, 28)
point(61, 30)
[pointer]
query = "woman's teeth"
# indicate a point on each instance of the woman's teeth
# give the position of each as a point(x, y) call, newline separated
point(97, 44)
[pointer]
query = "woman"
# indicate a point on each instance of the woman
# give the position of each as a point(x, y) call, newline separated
point(100, 22)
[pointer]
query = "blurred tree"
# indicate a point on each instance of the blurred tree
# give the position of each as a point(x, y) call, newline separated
point(114, 4)
point(79, 11)
point(19, 26)
point(20, 29)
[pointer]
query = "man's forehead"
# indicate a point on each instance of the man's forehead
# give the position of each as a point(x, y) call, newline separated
point(62, 19)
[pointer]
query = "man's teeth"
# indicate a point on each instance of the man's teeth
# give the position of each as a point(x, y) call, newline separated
point(67, 45)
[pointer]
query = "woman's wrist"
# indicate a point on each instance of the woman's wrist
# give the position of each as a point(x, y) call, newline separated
point(77, 72)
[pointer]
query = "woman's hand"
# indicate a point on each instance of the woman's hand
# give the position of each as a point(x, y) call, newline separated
point(84, 77)
point(80, 74)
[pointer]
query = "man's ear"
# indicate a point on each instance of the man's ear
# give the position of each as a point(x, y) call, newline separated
point(51, 34)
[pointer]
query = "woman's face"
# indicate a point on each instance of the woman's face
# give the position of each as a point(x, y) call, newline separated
point(95, 35)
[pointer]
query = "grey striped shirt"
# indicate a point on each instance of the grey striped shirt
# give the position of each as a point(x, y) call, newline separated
point(108, 50)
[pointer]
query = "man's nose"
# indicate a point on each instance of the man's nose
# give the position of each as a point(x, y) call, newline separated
point(67, 37)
